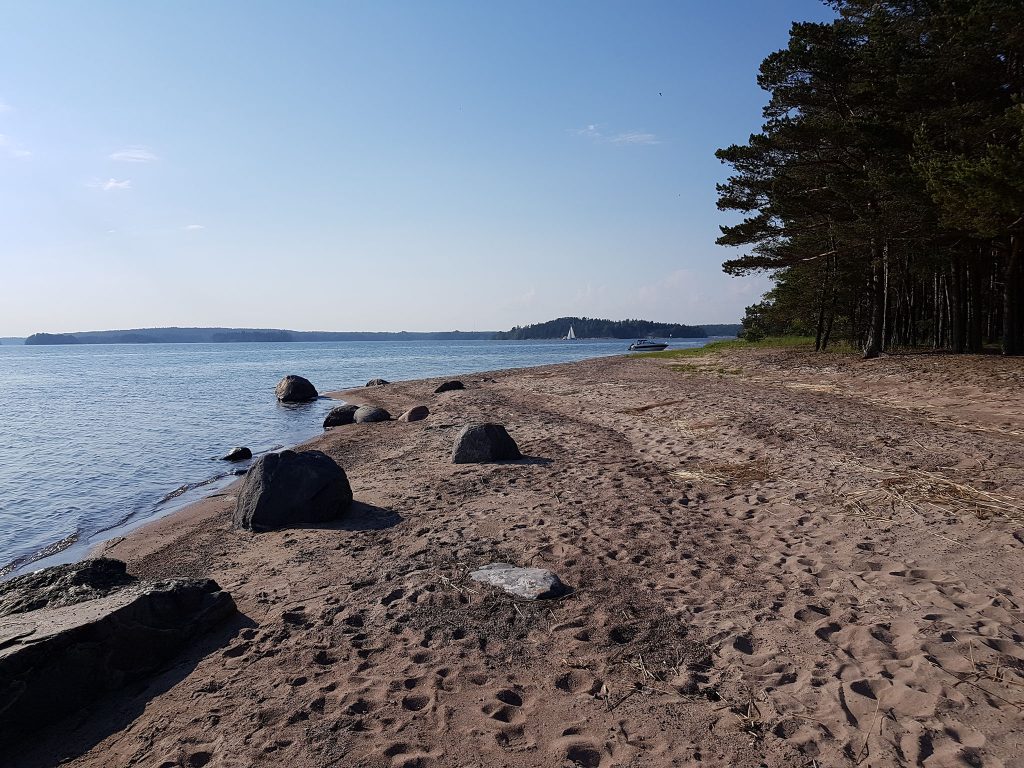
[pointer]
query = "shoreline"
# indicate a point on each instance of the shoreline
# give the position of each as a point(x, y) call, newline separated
point(742, 593)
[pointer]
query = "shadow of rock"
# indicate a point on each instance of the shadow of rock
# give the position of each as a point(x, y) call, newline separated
point(74, 735)
point(361, 517)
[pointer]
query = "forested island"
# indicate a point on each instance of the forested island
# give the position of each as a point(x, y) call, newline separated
point(227, 335)
point(596, 328)
point(885, 190)
point(553, 329)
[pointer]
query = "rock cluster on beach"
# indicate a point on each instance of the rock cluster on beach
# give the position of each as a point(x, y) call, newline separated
point(295, 389)
point(341, 415)
point(377, 382)
point(366, 414)
point(70, 634)
point(289, 488)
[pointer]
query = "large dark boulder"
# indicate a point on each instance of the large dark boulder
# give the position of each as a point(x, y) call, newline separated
point(238, 454)
point(343, 414)
point(484, 442)
point(368, 413)
point(289, 488)
point(57, 660)
point(63, 585)
point(449, 386)
point(377, 382)
point(295, 389)
point(416, 413)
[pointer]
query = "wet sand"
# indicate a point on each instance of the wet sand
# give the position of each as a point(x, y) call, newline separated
point(765, 572)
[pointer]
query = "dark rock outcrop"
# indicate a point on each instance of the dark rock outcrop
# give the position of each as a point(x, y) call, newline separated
point(484, 442)
point(63, 585)
point(343, 414)
point(238, 454)
point(449, 386)
point(57, 660)
point(377, 382)
point(416, 413)
point(369, 413)
point(289, 488)
point(295, 389)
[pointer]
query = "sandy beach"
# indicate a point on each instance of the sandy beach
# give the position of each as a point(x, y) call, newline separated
point(777, 558)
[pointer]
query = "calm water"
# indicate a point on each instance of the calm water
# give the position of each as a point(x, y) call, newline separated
point(97, 439)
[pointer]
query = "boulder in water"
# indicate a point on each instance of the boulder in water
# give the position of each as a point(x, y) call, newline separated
point(377, 382)
point(289, 488)
point(449, 386)
point(238, 454)
point(368, 413)
point(295, 389)
point(416, 413)
point(343, 414)
point(478, 443)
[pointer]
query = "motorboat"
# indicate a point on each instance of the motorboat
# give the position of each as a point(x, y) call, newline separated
point(646, 345)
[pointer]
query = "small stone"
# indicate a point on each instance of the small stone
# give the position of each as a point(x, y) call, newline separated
point(369, 413)
point(238, 454)
point(527, 583)
point(416, 413)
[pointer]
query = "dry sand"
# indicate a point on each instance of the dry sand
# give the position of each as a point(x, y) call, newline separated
point(770, 566)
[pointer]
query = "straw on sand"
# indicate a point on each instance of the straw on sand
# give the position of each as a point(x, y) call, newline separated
point(916, 489)
point(725, 473)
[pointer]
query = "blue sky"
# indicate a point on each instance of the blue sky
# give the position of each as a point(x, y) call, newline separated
point(373, 165)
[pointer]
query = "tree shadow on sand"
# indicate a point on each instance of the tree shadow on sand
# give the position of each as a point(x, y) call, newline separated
point(74, 735)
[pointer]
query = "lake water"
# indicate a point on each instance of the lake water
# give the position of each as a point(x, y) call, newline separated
point(96, 439)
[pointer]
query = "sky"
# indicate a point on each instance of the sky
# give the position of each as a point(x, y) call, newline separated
point(373, 165)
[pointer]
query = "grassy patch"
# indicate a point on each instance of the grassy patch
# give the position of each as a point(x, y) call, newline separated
point(727, 344)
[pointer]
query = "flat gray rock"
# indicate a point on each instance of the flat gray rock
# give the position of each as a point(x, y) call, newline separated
point(527, 583)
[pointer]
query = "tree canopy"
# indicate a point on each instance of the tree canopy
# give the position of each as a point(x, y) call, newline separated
point(885, 190)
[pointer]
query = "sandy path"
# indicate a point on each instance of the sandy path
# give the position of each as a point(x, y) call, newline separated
point(753, 619)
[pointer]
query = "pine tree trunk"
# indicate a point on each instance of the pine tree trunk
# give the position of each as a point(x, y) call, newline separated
point(1013, 317)
point(956, 308)
point(873, 346)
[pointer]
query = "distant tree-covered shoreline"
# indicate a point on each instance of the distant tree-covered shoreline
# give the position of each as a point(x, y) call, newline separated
point(595, 328)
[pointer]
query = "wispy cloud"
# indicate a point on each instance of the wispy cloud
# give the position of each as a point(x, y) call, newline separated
point(193, 227)
point(134, 154)
point(5, 107)
point(634, 137)
point(112, 184)
point(595, 133)
point(12, 148)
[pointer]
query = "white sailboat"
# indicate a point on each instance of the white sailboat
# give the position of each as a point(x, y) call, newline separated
point(571, 335)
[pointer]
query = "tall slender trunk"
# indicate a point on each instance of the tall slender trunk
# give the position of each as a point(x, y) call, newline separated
point(873, 345)
point(1013, 315)
point(957, 326)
